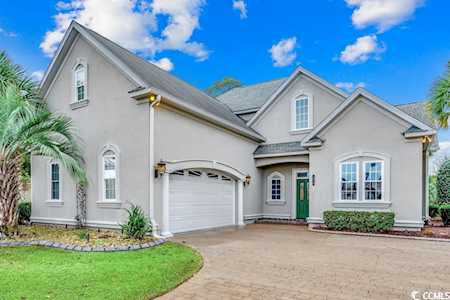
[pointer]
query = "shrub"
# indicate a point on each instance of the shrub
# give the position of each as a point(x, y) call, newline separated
point(138, 224)
point(443, 182)
point(360, 221)
point(433, 210)
point(444, 211)
point(432, 191)
point(84, 235)
point(24, 211)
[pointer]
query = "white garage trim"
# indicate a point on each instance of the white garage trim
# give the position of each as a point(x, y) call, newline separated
point(174, 166)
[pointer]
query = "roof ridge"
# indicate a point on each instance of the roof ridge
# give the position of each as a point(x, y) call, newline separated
point(412, 102)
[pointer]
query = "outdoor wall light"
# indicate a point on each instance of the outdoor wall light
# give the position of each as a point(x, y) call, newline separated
point(160, 168)
point(314, 179)
point(248, 178)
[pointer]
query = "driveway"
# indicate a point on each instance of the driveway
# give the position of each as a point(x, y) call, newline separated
point(288, 262)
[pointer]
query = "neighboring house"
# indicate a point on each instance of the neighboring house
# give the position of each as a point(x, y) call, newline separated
point(290, 148)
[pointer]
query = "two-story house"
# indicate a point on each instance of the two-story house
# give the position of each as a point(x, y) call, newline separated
point(288, 149)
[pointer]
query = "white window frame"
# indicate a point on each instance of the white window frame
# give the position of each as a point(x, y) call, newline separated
point(79, 62)
point(50, 199)
point(282, 179)
point(356, 163)
point(364, 162)
point(294, 101)
point(101, 171)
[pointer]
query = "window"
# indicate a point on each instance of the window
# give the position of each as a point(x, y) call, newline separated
point(80, 82)
point(275, 187)
point(301, 112)
point(349, 181)
point(55, 182)
point(373, 180)
point(109, 176)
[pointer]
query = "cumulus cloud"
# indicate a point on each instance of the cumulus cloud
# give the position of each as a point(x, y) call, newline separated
point(384, 14)
point(364, 48)
point(133, 24)
point(164, 63)
point(241, 7)
point(350, 86)
point(37, 75)
point(283, 53)
point(439, 156)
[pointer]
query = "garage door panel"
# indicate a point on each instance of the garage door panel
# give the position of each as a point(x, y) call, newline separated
point(200, 202)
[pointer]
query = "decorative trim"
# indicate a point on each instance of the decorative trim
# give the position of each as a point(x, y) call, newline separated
point(361, 204)
point(275, 202)
point(281, 154)
point(54, 203)
point(78, 248)
point(312, 220)
point(109, 204)
point(268, 216)
point(79, 104)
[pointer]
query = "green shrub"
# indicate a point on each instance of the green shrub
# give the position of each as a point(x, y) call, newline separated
point(444, 211)
point(84, 235)
point(360, 221)
point(443, 182)
point(432, 190)
point(138, 224)
point(24, 211)
point(433, 210)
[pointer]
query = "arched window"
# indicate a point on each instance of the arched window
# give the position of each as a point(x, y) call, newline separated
point(80, 81)
point(275, 187)
point(301, 112)
point(54, 176)
point(109, 175)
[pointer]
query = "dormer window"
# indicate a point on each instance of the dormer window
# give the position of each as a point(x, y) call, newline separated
point(301, 112)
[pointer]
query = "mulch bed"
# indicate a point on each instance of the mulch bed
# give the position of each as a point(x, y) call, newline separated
point(434, 230)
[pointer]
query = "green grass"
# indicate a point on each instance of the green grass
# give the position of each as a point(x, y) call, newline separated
point(43, 273)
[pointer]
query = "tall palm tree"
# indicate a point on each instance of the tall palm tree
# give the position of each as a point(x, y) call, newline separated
point(439, 104)
point(27, 127)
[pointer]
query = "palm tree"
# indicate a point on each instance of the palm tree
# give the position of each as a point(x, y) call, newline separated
point(28, 128)
point(439, 105)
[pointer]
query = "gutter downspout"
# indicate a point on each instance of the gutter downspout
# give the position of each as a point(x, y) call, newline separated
point(153, 103)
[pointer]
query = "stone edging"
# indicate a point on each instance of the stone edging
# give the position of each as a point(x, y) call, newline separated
point(78, 248)
point(419, 238)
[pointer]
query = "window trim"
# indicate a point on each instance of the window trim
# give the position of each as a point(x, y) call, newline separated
point(82, 62)
point(351, 162)
point(364, 162)
point(282, 200)
point(294, 101)
point(101, 184)
point(50, 201)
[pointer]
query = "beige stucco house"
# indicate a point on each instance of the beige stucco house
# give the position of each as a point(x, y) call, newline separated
point(286, 149)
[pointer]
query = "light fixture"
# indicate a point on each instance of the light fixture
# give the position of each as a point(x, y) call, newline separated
point(248, 178)
point(161, 168)
point(426, 139)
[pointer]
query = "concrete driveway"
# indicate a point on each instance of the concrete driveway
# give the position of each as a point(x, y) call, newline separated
point(289, 262)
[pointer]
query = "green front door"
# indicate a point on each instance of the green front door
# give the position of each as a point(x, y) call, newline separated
point(302, 198)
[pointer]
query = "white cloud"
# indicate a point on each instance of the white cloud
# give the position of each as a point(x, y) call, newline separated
point(283, 53)
point(439, 156)
point(164, 63)
point(384, 14)
point(133, 24)
point(241, 7)
point(364, 48)
point(7, 33)
point(37, 75)
point(350, 86)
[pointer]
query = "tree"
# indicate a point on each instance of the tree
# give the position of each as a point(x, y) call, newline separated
point(27, 127)
point(439, 104)
point(221, 86)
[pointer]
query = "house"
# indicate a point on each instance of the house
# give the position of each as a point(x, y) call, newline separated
point(287, 149)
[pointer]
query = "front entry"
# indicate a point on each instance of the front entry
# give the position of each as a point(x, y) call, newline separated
point(302, 198)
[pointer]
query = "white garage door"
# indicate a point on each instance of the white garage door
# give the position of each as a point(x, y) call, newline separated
point(200, 200)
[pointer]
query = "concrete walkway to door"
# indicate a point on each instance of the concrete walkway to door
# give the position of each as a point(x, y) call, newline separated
point(289, 262)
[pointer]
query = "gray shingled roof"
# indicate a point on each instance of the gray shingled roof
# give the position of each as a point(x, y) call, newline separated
point(279, 148)
point(418, 111)
point(250, 97)
point(162, 80)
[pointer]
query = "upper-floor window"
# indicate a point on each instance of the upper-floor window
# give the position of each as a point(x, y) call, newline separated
point(301, 112)
point(80, 82)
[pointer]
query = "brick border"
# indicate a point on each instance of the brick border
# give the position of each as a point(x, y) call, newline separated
point(72, 247)
point(392, 236)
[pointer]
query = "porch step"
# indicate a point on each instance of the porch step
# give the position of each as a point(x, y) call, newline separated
point(281, 221)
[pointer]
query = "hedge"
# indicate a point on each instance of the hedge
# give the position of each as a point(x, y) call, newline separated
point(433, 210)
point(444, 211)
point(360, 221)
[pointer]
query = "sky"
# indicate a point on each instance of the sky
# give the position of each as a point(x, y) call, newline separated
point(393, 48)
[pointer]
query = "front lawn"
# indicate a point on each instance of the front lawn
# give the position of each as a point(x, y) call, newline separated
point(43, 273)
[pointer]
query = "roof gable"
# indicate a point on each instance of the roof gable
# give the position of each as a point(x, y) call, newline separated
point(420, 127)
point(146, 75)
point(299, 70)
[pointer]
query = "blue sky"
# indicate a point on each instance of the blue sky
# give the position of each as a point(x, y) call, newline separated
point(395, 48)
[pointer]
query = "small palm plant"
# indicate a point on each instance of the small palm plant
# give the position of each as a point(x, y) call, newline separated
point(28, 128)
point(439, 104)
point(138, 224)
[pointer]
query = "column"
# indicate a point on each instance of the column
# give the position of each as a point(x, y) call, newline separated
point(165, 227)
point(240, 203)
